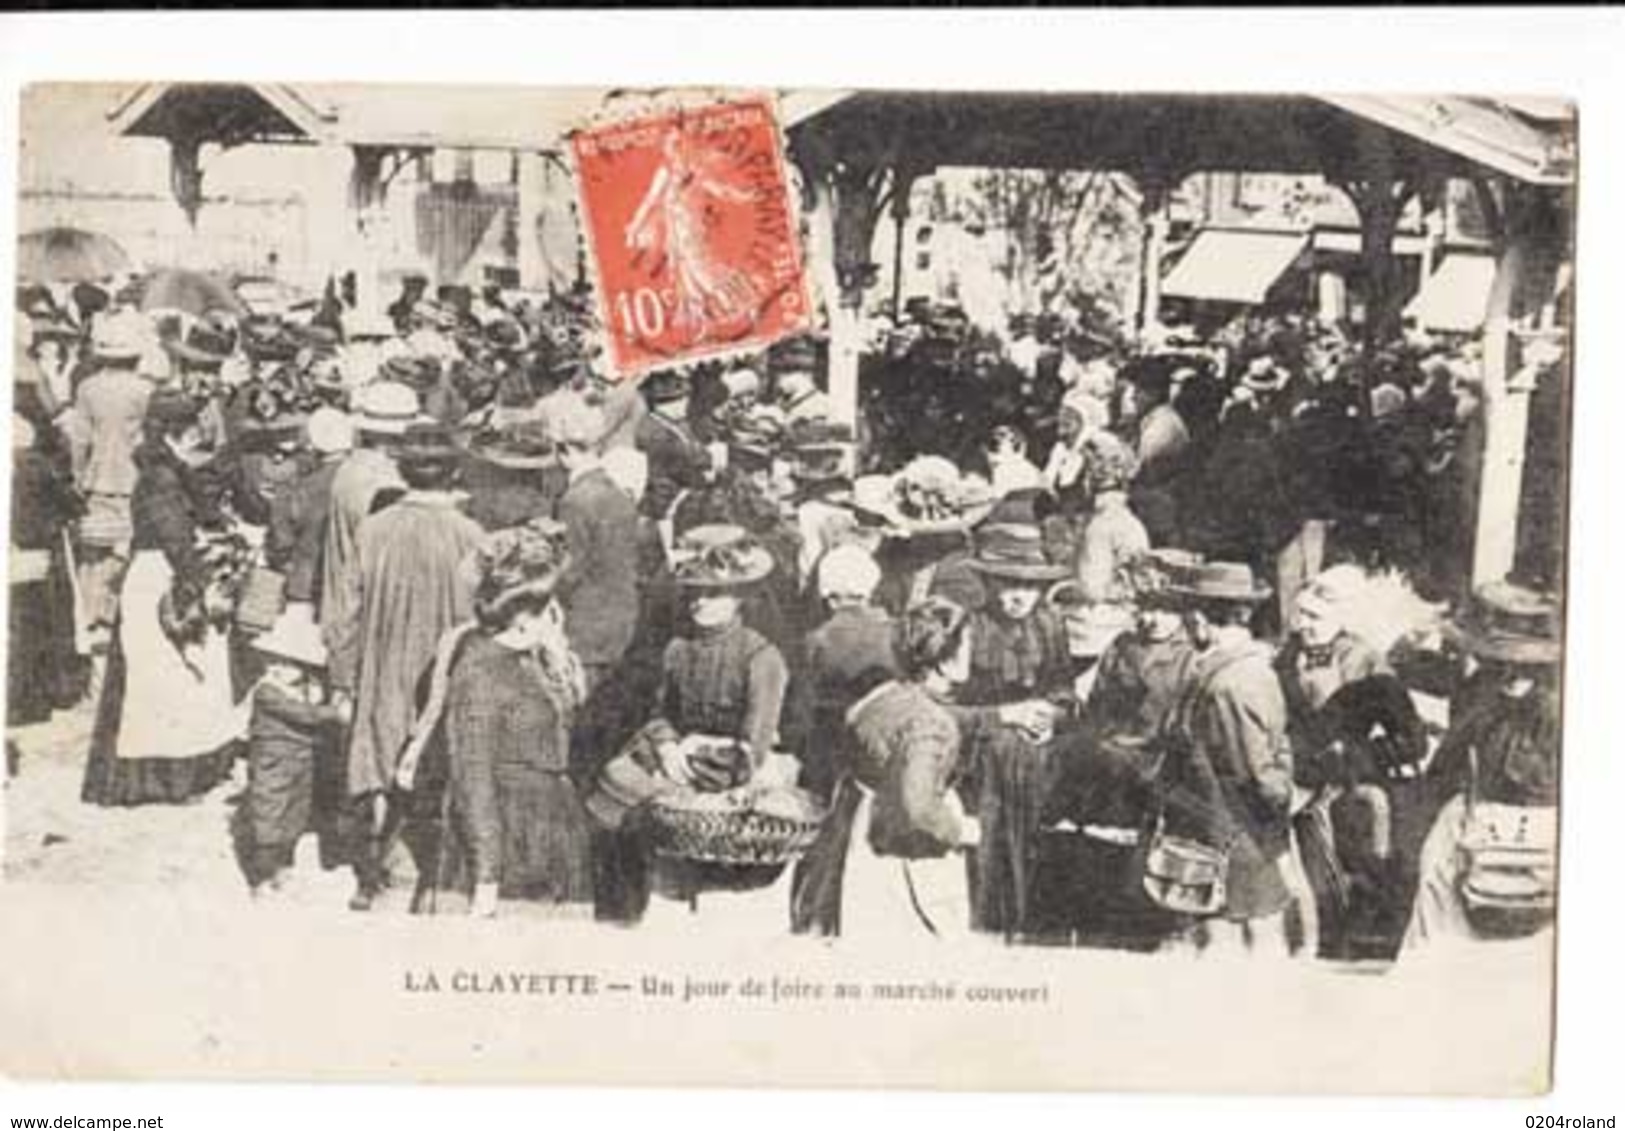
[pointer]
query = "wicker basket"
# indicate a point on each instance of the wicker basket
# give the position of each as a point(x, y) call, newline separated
point(728, 836)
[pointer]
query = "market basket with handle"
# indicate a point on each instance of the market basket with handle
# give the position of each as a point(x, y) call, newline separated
point(749, 826)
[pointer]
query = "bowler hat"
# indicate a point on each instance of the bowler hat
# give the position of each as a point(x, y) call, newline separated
point(666, 385)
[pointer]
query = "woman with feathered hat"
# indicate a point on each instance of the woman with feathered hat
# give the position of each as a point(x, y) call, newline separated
point(505, 691)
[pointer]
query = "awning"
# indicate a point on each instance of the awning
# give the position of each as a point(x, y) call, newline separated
point(1233, 266)
point(1456, 297)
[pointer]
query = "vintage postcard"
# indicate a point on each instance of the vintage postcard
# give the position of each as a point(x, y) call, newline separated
point(1058, 590)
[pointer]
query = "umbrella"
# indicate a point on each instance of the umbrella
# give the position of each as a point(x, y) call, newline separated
point(69, 255)
point(191, 292)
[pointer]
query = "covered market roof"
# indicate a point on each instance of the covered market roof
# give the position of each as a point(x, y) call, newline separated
point(461, 117)
point(1531, 139)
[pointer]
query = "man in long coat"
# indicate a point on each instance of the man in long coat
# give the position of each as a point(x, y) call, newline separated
point(1228, 775)
point(384, 411)
point(599, 589)
point(409, 588)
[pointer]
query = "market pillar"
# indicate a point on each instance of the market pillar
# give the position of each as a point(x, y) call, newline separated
point(366, 200)
point(843, 200)
point(1516, 353)
point(1153, 243)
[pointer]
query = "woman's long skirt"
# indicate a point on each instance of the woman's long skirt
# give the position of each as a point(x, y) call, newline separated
point(167, 729)
point(845, 888)
point(546, 841)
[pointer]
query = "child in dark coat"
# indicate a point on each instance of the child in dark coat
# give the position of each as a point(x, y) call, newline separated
point(291, 723)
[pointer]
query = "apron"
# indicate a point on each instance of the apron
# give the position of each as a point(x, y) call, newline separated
point(885, 897)
point(170, 709)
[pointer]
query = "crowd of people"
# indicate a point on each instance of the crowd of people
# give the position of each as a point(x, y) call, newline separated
point(1063, 641)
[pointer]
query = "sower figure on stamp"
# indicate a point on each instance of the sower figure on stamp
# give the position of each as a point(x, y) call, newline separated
point(670, 225)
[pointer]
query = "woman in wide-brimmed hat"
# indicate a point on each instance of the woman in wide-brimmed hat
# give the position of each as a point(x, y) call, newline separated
point(1021, 643)
point(505, 692)
point(1499, 766)
point(1018, 658)
point(513, 473)
point(716, 717)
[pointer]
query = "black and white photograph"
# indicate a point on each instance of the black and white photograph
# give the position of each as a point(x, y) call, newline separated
point(1041, 529)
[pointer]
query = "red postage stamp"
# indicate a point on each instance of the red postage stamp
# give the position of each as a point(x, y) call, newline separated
point(689, 222)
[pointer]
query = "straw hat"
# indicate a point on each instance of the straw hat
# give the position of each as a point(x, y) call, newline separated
point(295, 636)
point(1231, 582)
point(720, 557)
point(387, 408)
